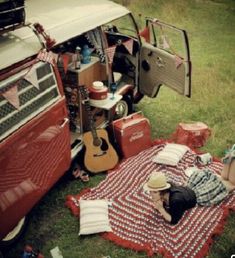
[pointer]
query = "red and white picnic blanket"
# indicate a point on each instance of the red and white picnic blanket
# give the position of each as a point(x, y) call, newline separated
point(135, 222)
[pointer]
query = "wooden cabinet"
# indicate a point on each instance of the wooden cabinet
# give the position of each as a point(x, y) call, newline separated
point(86, 75)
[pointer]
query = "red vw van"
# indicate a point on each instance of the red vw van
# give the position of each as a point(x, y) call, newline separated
point(42, 119)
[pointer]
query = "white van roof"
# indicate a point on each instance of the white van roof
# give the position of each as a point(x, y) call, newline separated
point(61, 19)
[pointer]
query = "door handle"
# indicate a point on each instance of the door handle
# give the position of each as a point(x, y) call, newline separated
point(160, 62)
point(65, 121)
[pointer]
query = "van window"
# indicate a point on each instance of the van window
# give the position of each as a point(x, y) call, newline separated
point(169, 39)
point(123, 25)
point(32, 100)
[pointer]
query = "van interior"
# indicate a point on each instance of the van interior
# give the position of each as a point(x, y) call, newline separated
point(122, 70)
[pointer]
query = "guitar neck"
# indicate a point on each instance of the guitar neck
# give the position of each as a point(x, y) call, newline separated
point(87, 105)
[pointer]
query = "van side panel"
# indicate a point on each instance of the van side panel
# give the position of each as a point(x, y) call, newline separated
point(31, 160)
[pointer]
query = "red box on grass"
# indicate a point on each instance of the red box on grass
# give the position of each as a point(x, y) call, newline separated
point(132, 134)
point(193, 135)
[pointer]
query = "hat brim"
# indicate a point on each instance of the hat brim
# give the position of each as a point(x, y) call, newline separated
point(146, 188)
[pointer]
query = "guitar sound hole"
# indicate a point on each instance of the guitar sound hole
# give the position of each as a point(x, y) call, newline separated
point(104, 145)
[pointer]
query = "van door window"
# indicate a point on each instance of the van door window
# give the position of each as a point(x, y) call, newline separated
point(169, 40)
point(32, 100)
point(165, 60)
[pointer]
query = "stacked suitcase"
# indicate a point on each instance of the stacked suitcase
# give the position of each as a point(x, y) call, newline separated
point(132, 134)
point(12, 14)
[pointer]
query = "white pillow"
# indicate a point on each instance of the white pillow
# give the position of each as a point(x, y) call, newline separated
point(94, 217)
point(171, 154)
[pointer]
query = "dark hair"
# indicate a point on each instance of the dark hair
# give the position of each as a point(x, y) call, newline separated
point(164, 191)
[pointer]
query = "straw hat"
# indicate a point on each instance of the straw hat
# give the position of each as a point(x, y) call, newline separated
point(157, 182)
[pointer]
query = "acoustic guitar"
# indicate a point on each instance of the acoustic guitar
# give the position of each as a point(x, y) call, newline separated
point(99, 153)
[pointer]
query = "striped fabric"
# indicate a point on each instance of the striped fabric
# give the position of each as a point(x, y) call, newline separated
point(171, 154)
point(94, 217)
point(208, 188)
point(138, 226)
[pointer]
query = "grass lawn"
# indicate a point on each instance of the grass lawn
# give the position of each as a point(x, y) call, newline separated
point(210, 26)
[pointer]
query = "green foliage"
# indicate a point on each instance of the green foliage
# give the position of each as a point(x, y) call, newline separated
point(210, 26)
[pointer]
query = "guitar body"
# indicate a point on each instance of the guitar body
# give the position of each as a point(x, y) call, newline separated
point(100, 154)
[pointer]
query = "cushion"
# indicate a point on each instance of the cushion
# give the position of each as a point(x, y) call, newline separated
point(94, 217)
point(171, 154)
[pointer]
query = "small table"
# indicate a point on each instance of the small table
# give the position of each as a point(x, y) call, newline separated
point(109, 103)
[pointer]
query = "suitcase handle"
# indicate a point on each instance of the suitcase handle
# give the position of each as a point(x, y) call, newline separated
point(135, 123)
point(130, 117)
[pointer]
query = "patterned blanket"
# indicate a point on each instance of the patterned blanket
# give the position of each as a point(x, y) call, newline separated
point(135, 222)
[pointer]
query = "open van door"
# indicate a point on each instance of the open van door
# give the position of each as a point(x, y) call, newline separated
point(164, 59)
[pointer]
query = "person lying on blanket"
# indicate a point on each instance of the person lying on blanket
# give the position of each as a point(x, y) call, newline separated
point(204, 188)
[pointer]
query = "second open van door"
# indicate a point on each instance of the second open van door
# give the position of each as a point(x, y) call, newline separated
point(164, 59)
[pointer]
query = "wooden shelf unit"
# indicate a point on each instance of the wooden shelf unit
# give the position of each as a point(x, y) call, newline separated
point(86, 75)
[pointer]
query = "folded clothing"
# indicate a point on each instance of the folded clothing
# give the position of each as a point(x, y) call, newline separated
point(171, 154)
point(207, 186)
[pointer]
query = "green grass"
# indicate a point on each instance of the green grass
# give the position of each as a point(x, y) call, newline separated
point(210, 26)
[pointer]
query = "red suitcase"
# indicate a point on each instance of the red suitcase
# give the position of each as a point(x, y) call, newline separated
point(132, 134)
